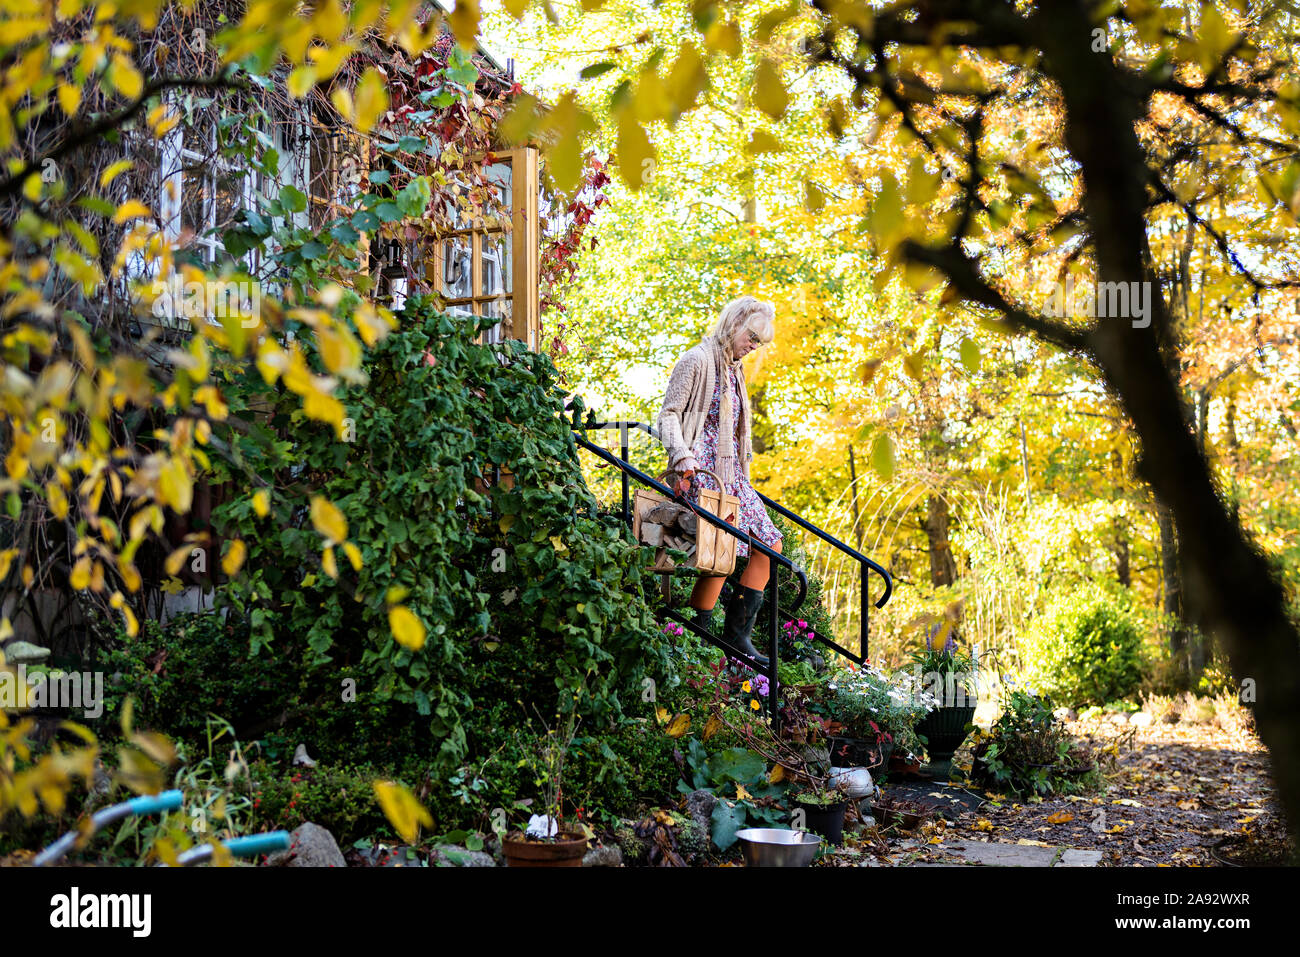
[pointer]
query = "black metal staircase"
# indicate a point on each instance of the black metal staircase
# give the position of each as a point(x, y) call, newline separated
point(783, 613)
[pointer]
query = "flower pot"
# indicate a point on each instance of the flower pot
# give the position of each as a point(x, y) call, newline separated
point(825, 819)
point(944, 729)
point(567, 850)
point(903, 764)
point(907, 820)
point(860, 753)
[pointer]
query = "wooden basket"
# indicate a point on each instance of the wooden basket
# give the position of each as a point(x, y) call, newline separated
point(715, 549)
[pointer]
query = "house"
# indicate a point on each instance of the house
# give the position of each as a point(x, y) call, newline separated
point(211, 157)
point(480, 254)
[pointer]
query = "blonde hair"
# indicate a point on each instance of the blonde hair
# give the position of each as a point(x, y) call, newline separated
point(746, 314)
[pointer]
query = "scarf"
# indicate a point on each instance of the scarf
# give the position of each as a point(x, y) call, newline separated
point(722, 366)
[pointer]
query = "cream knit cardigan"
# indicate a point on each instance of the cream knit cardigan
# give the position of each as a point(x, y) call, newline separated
point(686, 407)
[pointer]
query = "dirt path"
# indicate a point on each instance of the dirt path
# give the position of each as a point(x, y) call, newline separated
point(1171, 793)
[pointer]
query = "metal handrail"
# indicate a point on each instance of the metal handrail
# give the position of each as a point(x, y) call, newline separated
point(865, 564)
point(773, 585)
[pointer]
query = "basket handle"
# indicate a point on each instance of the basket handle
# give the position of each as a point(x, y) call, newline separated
point(709, 472)
point(691, 505)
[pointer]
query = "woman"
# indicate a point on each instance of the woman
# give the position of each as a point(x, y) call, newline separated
point(705, 424)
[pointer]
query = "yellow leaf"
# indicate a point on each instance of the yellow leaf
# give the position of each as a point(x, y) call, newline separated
point(711, 727)
point(777, 774)
point(114, 171)
point(80, 578)
point(769, 92)
point(175, 486)
point(300, 81)
point(679, 725)
point(636, 157)
point(262, 502)
point(464, 22)
point(58, 501)
point(983, 824)
point(406, 628)
point(328, 520)
point(882, 457)
point(741, 793)
point(371, 99)
point(69, 98)
point(329, 563)
point(1061, 817)
point(233, 560)
point(403, 811)
point(132, 625)
point(176, 559)
point(354, 555)
point(125, 77)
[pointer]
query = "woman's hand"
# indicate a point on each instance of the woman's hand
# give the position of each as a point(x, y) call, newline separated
point(684, 482)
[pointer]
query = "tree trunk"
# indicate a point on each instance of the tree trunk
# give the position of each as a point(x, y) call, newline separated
point(943, 569)
point(1172, 586)
point(853, 485)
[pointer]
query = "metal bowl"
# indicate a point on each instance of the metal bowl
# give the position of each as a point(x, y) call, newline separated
point(777, 847)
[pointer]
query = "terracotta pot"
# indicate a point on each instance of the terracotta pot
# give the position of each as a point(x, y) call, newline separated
point(567, 850)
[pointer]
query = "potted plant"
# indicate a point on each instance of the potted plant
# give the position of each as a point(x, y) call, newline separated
point(546, 841)
point(873, 715)
point(818, 798)
point(906, 814)
point(823, 807)
point(950, 675)
point(1028, 750)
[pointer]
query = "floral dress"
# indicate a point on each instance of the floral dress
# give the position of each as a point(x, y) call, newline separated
point(753, 516)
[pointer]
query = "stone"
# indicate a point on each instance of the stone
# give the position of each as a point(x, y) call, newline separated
point(632, 847)
point(699, 805)
point(461, 857)
point(1140, 719)
point(1075, 857)
point(603, 857)
point(24, 653)
point(310, 845)
point(1004, 855)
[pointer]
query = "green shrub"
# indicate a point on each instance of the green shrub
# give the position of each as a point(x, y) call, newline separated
point(1030, 752)
point(339, 799)
point(193, 666)
point(1086, 648)
point(527, 592)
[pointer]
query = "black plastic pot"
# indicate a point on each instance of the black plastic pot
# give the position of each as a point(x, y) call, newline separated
point(944, 729)
point(825, 819)
point(860, 753)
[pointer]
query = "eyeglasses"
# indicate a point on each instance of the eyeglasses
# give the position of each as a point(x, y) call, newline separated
point(754, 340)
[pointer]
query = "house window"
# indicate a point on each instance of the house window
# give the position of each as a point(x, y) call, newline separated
point(332, 158)
point(488, 267)
point(202, 190)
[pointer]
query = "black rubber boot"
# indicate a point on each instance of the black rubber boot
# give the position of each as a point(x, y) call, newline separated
point(742, 612)
point(703, 618)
